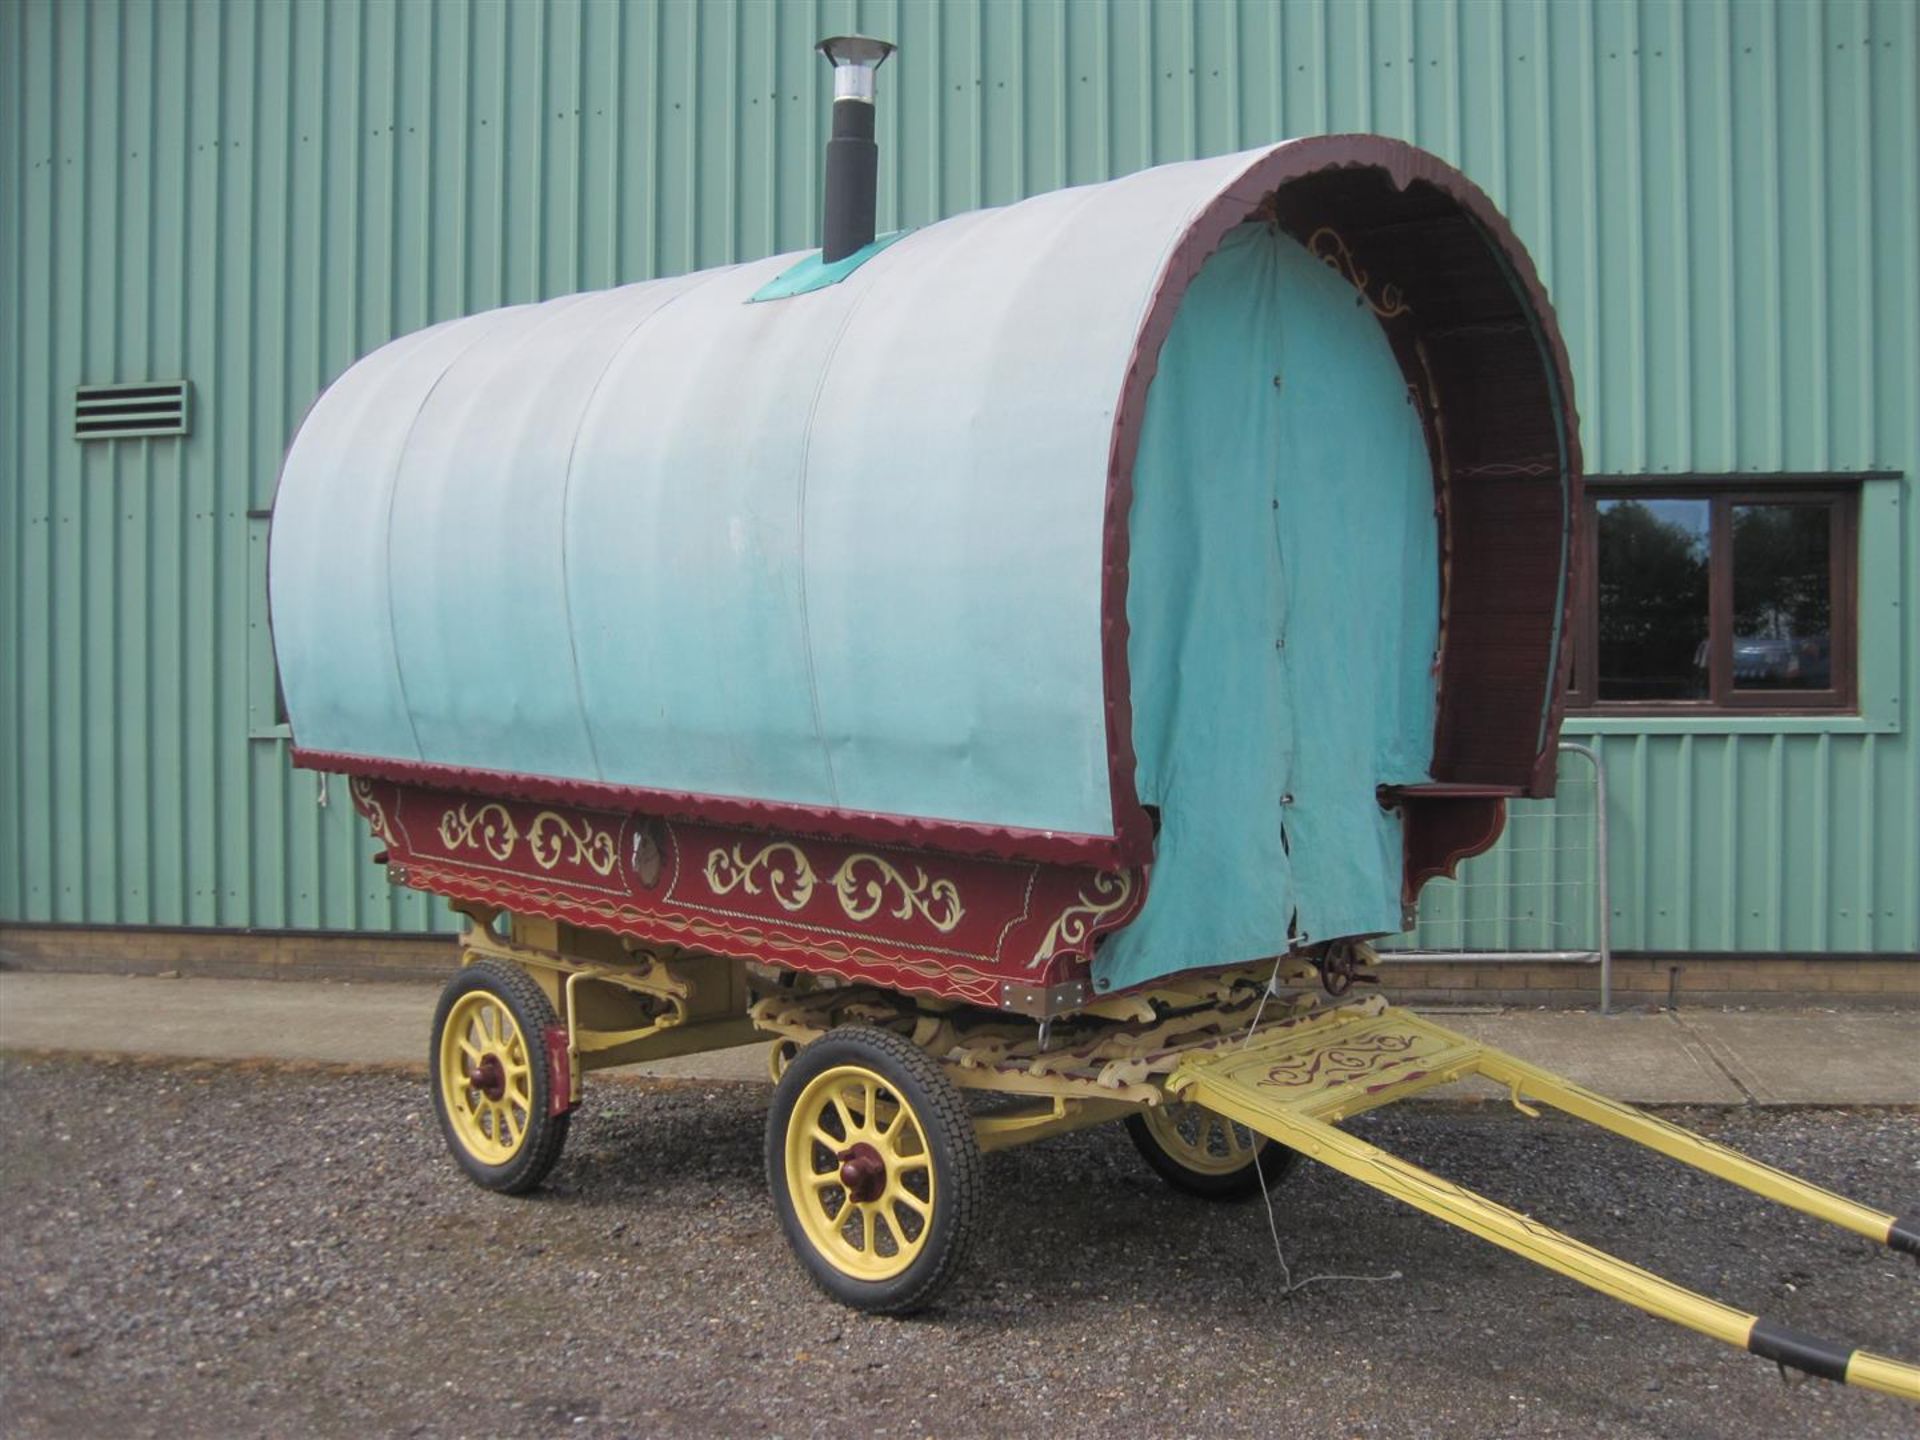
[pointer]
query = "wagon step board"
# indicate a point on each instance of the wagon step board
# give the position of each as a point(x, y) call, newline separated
point(1297, 1084)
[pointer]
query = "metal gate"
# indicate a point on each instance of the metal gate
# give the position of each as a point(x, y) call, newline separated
point(1539, 895)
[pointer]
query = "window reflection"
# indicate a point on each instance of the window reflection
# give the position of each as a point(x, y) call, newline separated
point(1782, 598)
point(1652, 571)
point(1709, 595)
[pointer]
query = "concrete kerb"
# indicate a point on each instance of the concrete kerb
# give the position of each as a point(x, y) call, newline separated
point(1823, 1057)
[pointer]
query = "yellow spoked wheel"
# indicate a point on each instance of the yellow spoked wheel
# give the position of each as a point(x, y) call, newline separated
point(859, 1171)
point(490, 1081)
point(874, 1167)
point(487, 1075)
point(1204, 1153)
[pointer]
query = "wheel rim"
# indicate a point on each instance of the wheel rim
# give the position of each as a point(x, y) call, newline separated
point(1199, 1139)
point(859, 1173)
point(486, 1077)
point(780, 1054)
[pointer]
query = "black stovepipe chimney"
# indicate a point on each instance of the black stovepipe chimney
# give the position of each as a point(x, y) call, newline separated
point(853, 160)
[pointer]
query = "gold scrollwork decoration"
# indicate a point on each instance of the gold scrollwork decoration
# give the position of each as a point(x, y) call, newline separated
point(864, 884)
point(1112, 889)
point(550, 833)
point(1326, 245)
point(787, 873)
point(375, 812)
point(490, 827)
point(938, 901)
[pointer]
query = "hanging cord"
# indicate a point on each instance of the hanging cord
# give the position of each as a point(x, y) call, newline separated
point(1273, 1225)
point(1260, 1009)
point(1286, 1272)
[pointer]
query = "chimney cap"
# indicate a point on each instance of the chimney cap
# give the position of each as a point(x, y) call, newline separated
point(855, 50)
point(854, 59)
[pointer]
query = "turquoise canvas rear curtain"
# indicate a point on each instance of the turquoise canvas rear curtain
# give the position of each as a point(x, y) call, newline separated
point(1284, 610)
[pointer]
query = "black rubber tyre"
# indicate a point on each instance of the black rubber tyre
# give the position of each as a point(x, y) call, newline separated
point(534, 1137)
point(1270, 1159)
point(953, 1169)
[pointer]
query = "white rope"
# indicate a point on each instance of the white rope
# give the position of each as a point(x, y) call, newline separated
point(1286, 1273)
point(1291, 1286)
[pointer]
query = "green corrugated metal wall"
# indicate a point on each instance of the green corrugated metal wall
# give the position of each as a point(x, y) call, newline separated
point(1724, 199)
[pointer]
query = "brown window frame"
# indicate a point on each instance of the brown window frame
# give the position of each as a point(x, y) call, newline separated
point(1840, 493)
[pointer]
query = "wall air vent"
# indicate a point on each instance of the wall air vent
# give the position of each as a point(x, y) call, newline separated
point(131, 411)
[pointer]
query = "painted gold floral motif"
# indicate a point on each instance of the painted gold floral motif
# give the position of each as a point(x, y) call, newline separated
point(938, 901)
point(1112, 889)
point(490, 826)
point(787, 873)
point(550, 833)
point(863, 884)
point(1326, 245)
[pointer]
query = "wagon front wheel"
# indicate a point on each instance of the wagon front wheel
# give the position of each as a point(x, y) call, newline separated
point(874, 1169)
point(1204, 1153)
point(491, 1087)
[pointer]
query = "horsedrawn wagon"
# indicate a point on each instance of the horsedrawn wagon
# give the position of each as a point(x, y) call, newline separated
point(1032, 654)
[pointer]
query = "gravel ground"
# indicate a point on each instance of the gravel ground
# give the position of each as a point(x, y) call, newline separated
point(216, 1251)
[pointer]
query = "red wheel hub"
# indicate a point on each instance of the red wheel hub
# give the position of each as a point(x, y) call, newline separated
point(489, 1077)
point(863, 1172)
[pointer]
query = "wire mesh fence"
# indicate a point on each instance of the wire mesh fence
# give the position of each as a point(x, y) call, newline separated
point(1540, 894)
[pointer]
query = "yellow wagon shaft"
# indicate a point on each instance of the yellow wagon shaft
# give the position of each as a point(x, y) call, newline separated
point(1297, 1081)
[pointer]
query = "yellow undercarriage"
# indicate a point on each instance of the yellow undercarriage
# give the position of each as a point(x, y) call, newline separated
point(1274, 1060)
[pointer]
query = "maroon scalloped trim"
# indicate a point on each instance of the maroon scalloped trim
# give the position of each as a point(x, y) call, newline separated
point(1438, 832)
point(960, 837)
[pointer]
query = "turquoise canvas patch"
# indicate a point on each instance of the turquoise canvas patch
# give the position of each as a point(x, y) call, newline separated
point(809, 274)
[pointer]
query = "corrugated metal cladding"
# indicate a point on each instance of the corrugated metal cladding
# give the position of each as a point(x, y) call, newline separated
point(1724, 198)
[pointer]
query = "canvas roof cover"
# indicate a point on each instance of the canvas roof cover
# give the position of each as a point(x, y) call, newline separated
point(857, 560)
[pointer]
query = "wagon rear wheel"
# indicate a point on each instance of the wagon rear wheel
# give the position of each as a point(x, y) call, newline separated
point(874, 1169)
point(491, 1088)
point(1203, 1153)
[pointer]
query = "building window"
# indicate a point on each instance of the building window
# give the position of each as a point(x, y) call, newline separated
point(1730, 594)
